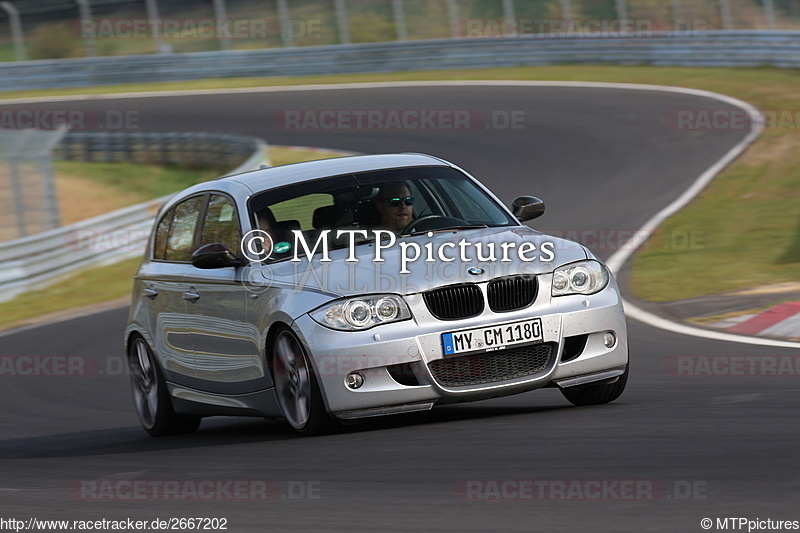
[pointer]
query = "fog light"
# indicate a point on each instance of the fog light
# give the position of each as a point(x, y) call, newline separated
point(609, 339)
point(354, 380)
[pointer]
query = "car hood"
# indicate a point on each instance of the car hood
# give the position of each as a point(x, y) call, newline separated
point(340, 277)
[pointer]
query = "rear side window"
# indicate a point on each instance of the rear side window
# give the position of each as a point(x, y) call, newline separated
point(162, 231)
point(180, 239)
point(221, 225)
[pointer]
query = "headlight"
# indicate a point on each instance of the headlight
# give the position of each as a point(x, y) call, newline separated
point(586, 277)
point(362, 313)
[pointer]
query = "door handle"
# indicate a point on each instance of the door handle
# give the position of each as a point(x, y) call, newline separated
point(150, 292)
point(191, 295)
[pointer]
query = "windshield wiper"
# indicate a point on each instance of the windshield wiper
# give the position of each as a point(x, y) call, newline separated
point(447, 228)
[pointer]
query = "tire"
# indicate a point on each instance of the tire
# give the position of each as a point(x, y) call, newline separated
point(151, 397)
point(596, 394)
point(296, 386)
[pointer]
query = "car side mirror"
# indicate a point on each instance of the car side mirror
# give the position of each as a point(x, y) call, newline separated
point(527, 208)
point(215, 255)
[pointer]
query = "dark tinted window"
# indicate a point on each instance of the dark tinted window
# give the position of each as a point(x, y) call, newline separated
point(221, 223)
point(180, 241)
point(159, 247)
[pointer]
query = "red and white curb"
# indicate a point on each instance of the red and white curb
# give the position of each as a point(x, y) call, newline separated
point(782, 320)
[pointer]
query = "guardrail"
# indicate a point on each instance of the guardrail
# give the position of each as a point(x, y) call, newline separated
point(168, 148)
point(38, 260)
point(709, 48)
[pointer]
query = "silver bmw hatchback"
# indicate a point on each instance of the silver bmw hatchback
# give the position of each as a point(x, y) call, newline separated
point(336, 290)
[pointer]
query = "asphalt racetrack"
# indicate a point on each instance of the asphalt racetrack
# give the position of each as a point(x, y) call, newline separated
point(674, 449)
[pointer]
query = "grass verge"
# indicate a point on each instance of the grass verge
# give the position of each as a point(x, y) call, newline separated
point(90, 189)
point(747, 218)
point(70, 295)
point(86, 190)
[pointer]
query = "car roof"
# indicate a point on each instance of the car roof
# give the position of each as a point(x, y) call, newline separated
point(253, 181)
point(269, 178)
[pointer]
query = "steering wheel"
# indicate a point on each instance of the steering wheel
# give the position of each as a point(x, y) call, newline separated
point(441, 222)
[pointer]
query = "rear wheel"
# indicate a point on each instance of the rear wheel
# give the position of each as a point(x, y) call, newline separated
point(594, 394)
point(151, 397)
point(296, 386)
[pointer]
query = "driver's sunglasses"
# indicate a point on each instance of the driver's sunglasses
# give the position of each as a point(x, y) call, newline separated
point(396, 202)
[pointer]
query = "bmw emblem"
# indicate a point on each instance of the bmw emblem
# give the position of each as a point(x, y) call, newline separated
point(475, 271)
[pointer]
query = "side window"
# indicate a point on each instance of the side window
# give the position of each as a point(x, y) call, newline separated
point(180, 242)
point(301, 209)
point(159, 246)
point(221, 223)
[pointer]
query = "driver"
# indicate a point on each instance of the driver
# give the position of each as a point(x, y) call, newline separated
point(394, 203)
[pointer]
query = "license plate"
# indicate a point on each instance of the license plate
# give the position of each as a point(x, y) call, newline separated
point(492, 337)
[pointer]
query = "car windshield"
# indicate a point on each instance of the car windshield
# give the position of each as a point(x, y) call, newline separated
point(405, 201)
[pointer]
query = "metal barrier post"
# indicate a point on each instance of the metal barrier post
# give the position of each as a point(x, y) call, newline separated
point(452, 15)
point(622, 10)
point(341, 21)
point(286, 23)
point(52, 215)
point(677, 14)
point(16, 29)
point(27, 155)
point(221, 15)
point(16, 194)
point(566, 10)
point(399, 20)
point(508, 10)
point(86, 17)
point(769, 14)
point(725, 14)
point(155, 24)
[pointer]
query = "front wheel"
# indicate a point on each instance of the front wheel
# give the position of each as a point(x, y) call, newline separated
point(296, 386)
point(151, 397)
point(598, 393)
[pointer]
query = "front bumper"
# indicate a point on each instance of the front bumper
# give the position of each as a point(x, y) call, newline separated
point(396, 360)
